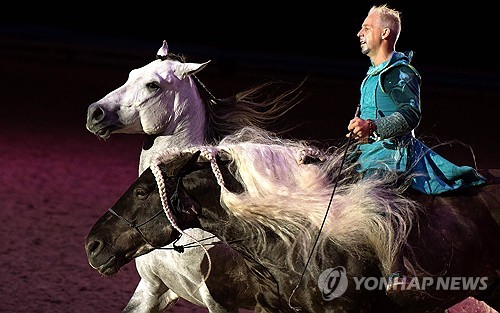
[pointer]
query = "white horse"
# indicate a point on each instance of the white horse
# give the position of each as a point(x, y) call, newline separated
point(165, 101)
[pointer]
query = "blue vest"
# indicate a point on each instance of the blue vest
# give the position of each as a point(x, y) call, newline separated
point(430, 172)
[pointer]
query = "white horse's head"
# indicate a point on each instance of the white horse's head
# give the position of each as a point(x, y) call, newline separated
point(159, 98)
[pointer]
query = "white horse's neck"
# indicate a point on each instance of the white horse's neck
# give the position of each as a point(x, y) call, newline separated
point(186, 128)
point(162, 142)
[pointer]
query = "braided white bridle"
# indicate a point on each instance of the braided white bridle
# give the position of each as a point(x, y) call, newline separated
point(208, 153)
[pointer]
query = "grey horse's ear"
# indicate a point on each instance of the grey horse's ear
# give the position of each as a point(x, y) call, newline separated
point(189, 164)
point(183, 164)
point(163, 51)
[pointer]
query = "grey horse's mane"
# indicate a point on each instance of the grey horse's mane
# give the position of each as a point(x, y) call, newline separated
point(367, 218)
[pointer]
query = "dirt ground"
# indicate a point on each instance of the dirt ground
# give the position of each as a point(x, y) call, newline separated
point(57, 179)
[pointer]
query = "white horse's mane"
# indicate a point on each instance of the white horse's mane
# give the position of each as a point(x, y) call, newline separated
point(365, 217)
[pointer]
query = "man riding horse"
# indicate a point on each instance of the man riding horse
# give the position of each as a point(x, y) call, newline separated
point(390, 111)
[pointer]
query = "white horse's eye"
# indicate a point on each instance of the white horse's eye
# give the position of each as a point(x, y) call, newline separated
point(153, 86)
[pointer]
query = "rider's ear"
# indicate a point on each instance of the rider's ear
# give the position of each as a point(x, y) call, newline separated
point(385, 32)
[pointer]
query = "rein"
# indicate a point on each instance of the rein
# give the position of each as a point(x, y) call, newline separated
point(344, 157)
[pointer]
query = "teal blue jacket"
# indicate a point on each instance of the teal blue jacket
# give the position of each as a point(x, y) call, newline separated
point(390, 97)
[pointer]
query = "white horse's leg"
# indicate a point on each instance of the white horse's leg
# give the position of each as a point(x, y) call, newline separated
point(151, 294)
point(163, 271)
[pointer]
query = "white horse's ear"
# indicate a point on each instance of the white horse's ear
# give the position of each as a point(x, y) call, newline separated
point(163, 52)
point(186, 69)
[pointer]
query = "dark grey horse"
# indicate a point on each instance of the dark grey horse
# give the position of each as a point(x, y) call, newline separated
point(454, 238)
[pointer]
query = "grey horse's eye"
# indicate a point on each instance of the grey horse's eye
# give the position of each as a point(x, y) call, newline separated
point(141, 193)
point(153, 86)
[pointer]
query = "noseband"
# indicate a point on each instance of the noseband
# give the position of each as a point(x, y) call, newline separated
point(136, 226)
point(174, 203)
point(132, 224)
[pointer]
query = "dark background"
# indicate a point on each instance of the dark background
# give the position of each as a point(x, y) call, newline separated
point(440, 33)
point(252, 42)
